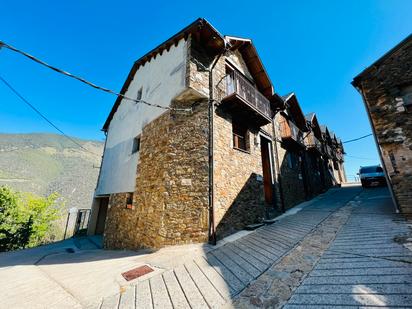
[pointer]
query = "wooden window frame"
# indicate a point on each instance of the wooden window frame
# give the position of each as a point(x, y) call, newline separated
point(240, 137)
point(129, 200)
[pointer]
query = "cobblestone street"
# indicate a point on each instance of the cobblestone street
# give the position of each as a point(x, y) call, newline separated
point(344, 248)
point(366, 265)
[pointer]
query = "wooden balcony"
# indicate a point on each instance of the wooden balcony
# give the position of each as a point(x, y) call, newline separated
point(242, 97)
point(312, 143)
point(290, 133)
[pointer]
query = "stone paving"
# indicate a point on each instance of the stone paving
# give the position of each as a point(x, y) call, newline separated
point(338, 250)
point(214, 280)
point(368, 264)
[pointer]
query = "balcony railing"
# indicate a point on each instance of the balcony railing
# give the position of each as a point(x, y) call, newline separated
point(312, 142)
point(289, 131)
point(238, 85)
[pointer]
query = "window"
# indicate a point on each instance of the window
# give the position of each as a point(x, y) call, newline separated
point(129, 201)
point(240, 136)
point(407, 98)
point(136, 144)
point(403, 100)
point(139, 94)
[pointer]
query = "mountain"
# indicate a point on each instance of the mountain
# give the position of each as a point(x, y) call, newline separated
point(44, 163)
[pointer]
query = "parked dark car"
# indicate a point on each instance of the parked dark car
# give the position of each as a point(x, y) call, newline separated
point(372, 175)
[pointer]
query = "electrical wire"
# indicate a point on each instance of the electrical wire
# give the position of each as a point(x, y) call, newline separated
point(360, 158)
point(356, 139)
point(43, 116)
point(2, 44)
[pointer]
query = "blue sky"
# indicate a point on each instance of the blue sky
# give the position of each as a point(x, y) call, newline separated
point(313, 48)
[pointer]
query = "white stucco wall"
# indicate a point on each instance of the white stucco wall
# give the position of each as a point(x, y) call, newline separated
point(235, 58)
point(161, 80)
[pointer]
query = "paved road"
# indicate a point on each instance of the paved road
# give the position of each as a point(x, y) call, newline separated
point(364, 266)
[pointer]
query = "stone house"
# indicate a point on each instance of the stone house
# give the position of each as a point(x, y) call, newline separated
point(317, 177)
point(290, 127)
point(202, 163)
point(329, 156)
point(386, 89)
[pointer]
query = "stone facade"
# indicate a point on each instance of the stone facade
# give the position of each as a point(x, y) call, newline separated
point(238, 187)
point(385, 87)
point(314, 172)
point(291, 167)
point(171, 197)
point(177, 154)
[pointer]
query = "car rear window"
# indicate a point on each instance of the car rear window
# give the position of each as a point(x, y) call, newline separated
point(371, 169)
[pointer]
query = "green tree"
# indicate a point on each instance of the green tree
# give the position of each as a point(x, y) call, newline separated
point(27, 220)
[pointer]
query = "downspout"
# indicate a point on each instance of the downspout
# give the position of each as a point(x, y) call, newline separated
point(394, 199)
point(212, 231)
point(305, 170)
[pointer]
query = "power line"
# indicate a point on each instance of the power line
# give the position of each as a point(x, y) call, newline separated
point(360, 158)
point(43, 116)
point(356, 139)
point(2, 44)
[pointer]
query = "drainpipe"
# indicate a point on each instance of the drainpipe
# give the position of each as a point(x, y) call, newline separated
point(388, 180)
point(212, 231)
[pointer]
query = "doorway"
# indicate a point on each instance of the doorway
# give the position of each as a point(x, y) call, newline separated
point(101, 215)
point(265, 147)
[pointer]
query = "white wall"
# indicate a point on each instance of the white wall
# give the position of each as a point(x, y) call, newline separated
point(162, 79)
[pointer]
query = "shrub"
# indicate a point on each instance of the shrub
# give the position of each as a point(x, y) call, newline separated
point(27, 220)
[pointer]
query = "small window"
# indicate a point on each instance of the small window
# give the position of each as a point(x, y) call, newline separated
point(129, 201)
point(240, 137)
point(407, 99)
point(136, 145)
point(139, 94)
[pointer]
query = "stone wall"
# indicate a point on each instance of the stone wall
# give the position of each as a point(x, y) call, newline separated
point(171, 197)
point(238, 186)
point(382, 86)
point(313, 172)
point(291, 178)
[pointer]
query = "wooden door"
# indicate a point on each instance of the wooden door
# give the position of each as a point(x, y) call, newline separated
point(267, 170)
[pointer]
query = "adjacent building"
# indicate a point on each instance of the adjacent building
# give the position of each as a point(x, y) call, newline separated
point(219, 151)
point(386, 88)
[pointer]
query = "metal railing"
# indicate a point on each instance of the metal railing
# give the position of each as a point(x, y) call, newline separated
point(77, 222)
point(238, 84)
